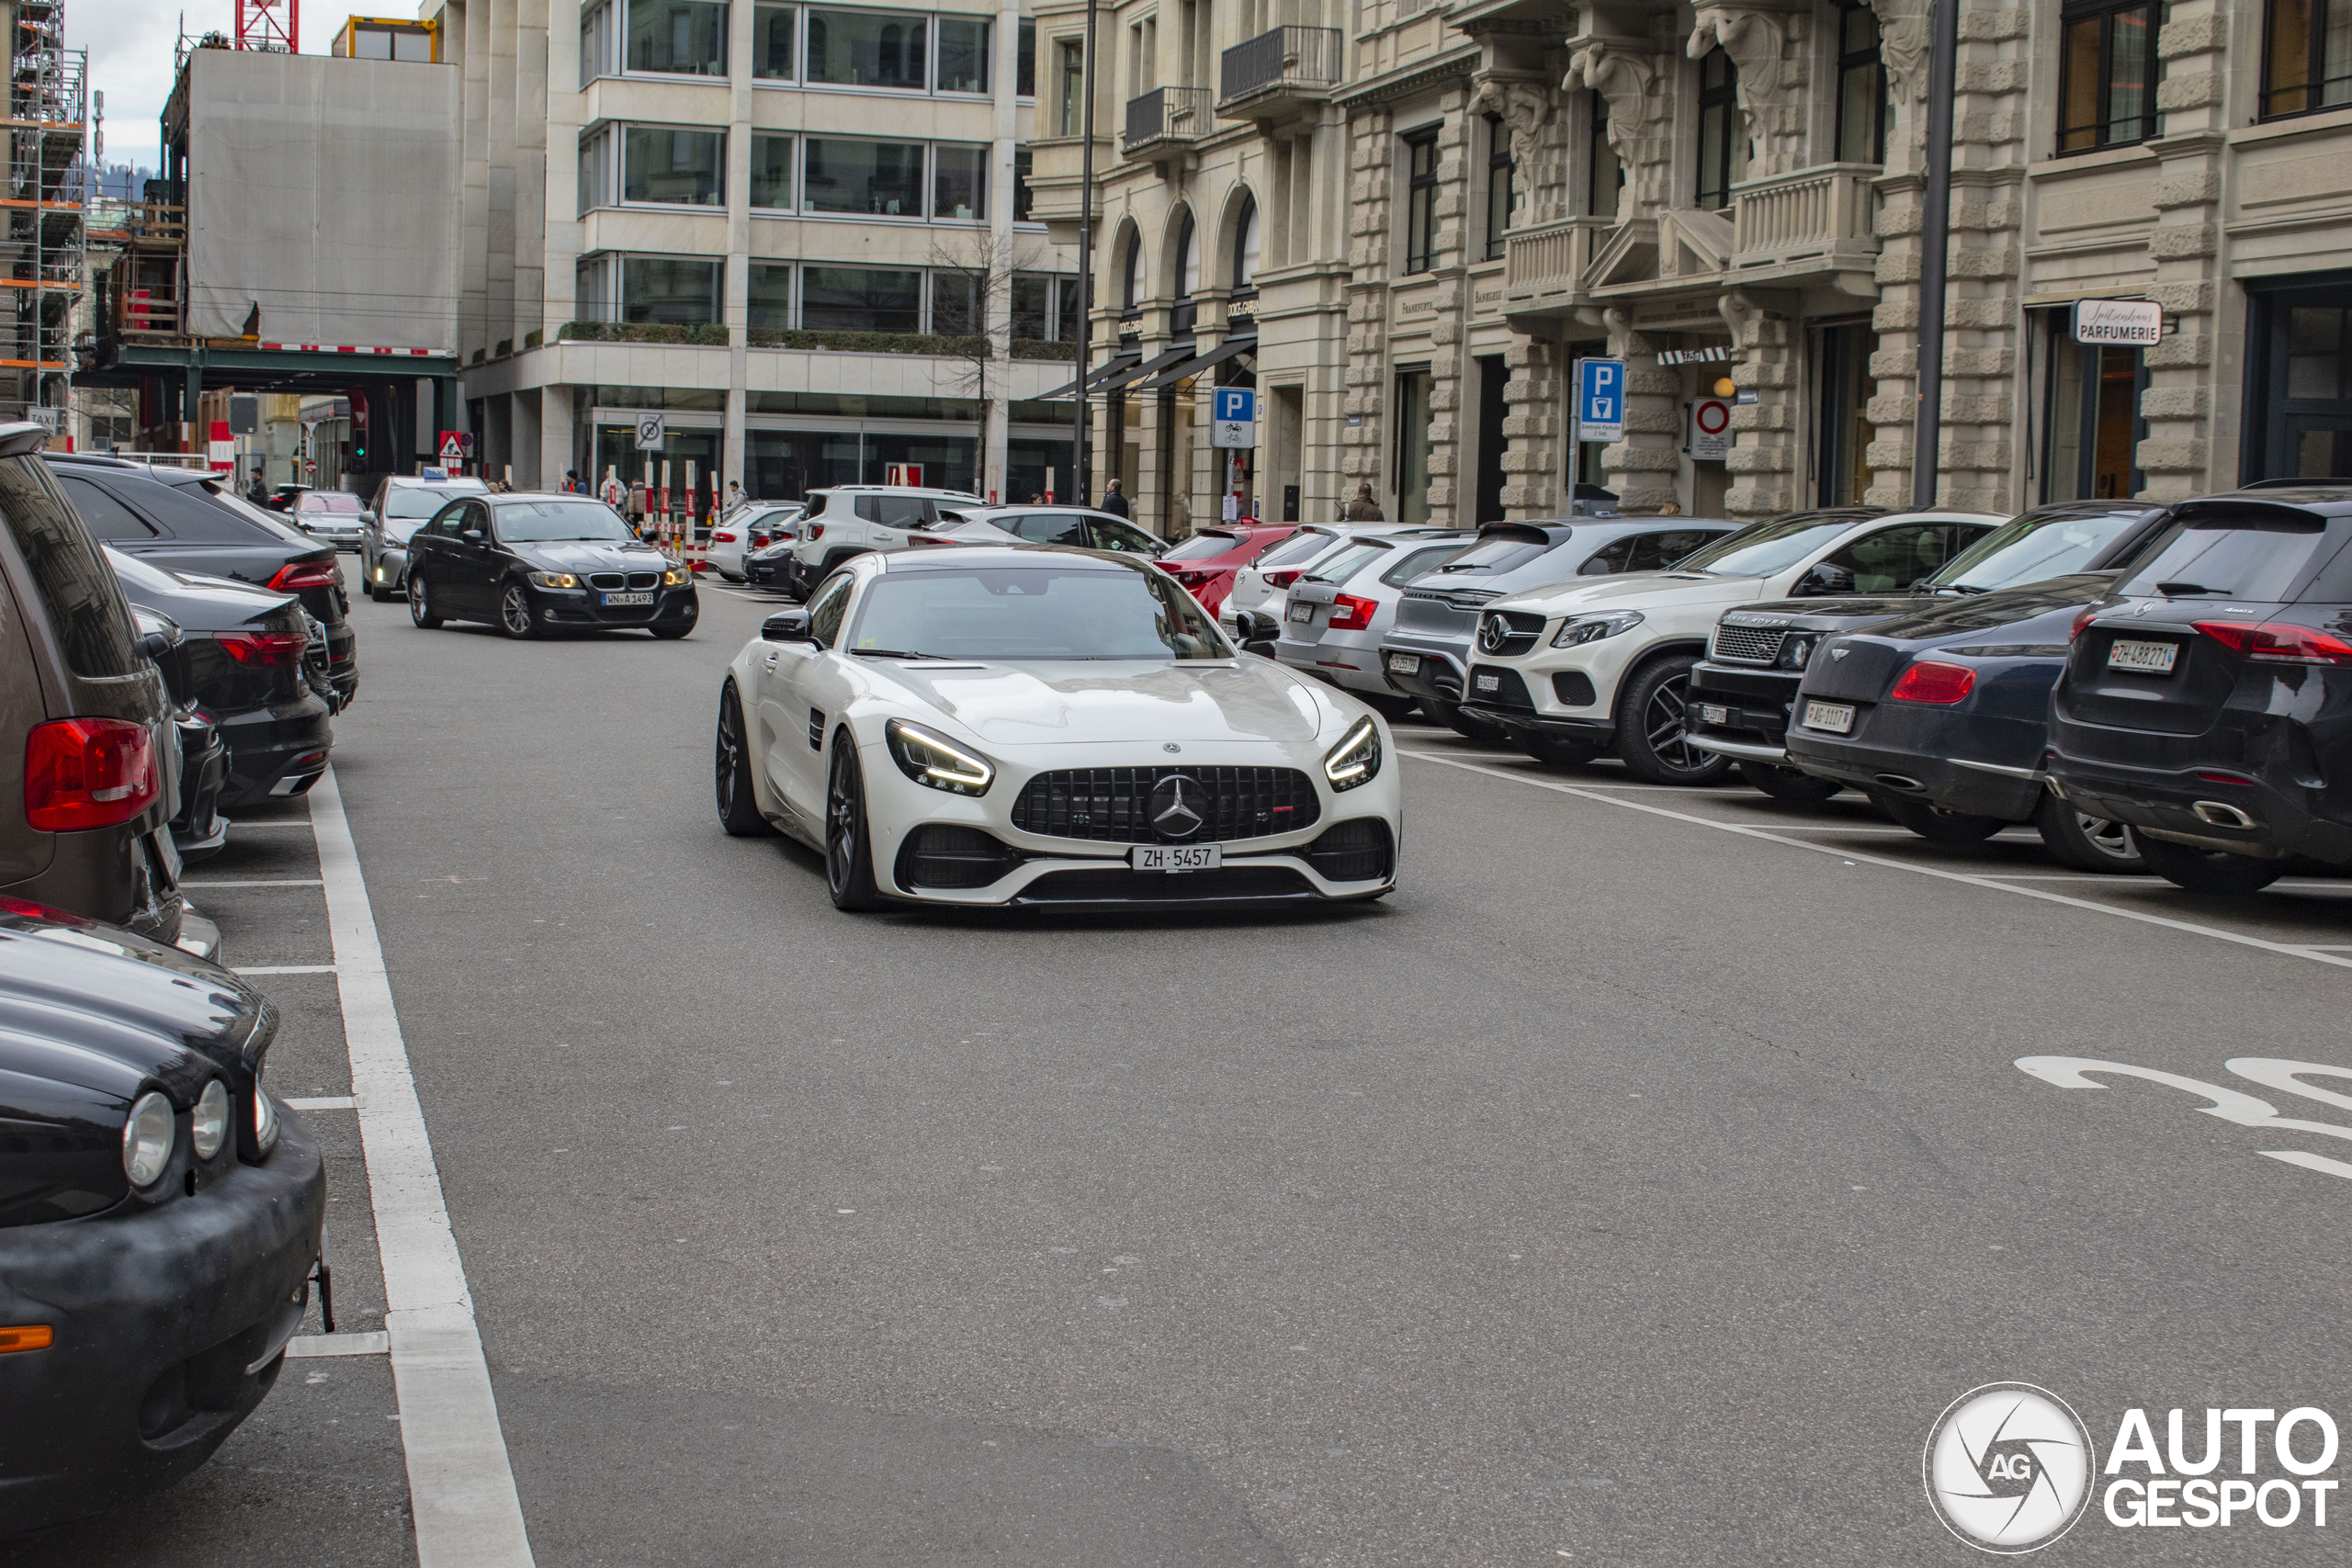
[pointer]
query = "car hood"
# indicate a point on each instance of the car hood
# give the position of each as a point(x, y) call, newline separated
point(1063, 702)
point(577, 555)
point(1638, 591)
point(1831, 614)
point(2005, 607)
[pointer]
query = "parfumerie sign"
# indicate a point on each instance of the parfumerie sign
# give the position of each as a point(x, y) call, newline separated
point(2119, 323)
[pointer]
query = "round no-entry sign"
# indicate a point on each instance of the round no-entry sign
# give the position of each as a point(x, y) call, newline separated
point(1713, 417)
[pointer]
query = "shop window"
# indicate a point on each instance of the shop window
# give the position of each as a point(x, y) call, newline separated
point(1865, 109)
point(774, 33)
point(2307, 57)
point(1843, 471)
point(1421, 201)
point(1723, 132)
point(874, 178)
point(1409, 433)
point(675, 167)
point(771, 171)
point(2107, 95)
point(1499, 194)
point(678, 38)
point(1604, 172)
point(860, 299)
point(869, 48)
point(2093, 421)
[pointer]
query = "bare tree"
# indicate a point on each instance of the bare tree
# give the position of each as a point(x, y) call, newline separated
point(971, 286)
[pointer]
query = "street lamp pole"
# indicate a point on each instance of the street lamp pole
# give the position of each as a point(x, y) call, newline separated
point(1079, 492)
point(1935, 248)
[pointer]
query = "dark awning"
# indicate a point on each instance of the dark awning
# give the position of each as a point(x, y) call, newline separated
point(1119, 361)
point(1158, 362)
point(1193, 367)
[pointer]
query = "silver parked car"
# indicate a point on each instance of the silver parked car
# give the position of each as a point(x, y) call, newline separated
point(1339, 611)
point(402, 505)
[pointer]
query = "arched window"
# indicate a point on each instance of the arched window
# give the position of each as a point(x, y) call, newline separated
point(1131, 281)
point(1245, 246)
point(1188, 266)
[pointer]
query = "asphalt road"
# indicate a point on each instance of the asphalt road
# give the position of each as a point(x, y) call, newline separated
point(1635, 1185)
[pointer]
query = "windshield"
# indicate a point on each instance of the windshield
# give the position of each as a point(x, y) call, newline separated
point(1032, 612)
point(1495, 554)
point(1344, 562)
point(536, 522)
point(2030, 549)
point(1201, 546)
point(1296, 550)
point(327, 500)
point(270, 520)
point(2252, 555)
point(420, 503)
point(1762, 548)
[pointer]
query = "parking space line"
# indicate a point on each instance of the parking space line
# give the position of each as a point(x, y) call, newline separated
point(1863, 857)
point(257, 881)
point(326, 1102)
point(303, 1346)
point(241, 824)
point(285, 969)
point(461, 1485)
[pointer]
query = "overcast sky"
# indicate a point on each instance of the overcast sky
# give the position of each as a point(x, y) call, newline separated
point(130, 55)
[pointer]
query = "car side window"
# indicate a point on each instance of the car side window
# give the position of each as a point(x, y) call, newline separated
point(825, 614)
point(1051, 528)
point(445, 522)
point(1115, 536)
point(107, 518)
point(1892, 560)
point(895, 510)
point(1673, 545)
point(1609, 558)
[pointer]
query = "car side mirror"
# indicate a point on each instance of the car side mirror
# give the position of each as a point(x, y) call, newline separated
point(1256, 631)
point(1824, 579)
point(155, 644)
point(472, 536)
point(786, 626)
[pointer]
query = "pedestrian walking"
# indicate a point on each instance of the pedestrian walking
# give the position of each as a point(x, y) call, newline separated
point(736, 499)
point(572, 485)
point(259, 493)
point(1115, 501)
point(1363, 509)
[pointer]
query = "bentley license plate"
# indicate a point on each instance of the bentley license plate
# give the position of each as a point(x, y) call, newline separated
point(1404, 663)
point(1838, 718)
point(1177, 857)
point(628, 599)
point(1302, 612)
point(2143, 657)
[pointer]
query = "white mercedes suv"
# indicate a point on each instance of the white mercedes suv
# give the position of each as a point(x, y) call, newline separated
point(1593, 666)
point(856, 520)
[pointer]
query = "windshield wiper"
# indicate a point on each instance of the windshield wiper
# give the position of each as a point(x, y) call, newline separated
point(1957, 587)
point(892, 653)
point(2174, 590)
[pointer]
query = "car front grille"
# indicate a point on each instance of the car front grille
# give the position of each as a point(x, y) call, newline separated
point(1506, 634)
point(1359, 851)
point(1112, 805)
point(607, 580)
point(644, 579)
point(1117, 884)
point(942, 855)
point(1749, 645)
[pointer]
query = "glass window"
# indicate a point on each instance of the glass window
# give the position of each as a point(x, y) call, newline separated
point(597, 168)
point(1418, 564)
point(959, 181)
point(1204, 544)
point(1124, 537)
point(1722, 131)
point(1420, 201)
point(860, 299)
point(2033, 547)
point(537, 522)
point(963, 54)
point(1845, 426)
point(1188, 259)
point(1066, 309)
point(1604, 172)
point(768, 297)
point(774, 33)
point(1035, 611)
point(687, 37)
point(825, 615)
point(1032, 305)
point(1073, 58)
point(108, 518)
point(869, 49)
point(772, 171)
point(791, 463)
point(1499, 195)
point(947, 462)
point(1024, 199)
point(1762, 548)
point(674, 165)
point(2107, 76)
point(1865, 109)
point(2254, 557)
point(2094, 420)
point(77, 590)
point(1131, 281)
point(592, 283)
point(596, 42)
point(2317, 363)
point(1893, 560)
point(874, 178)
point(1412, 414)
point(1025, 61)
point(2308, 63)
point(1048, 528)
point(1246, 245)
point(678, 290)
point(1342, 564)
point(956, 304)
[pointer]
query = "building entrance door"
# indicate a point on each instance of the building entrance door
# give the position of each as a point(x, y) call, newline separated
point(2094, 426)
point(2302, 379)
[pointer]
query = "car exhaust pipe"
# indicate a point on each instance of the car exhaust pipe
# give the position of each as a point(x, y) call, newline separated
point(2222, 814)
point(1898, 780)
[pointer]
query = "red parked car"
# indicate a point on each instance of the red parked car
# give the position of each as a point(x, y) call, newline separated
point(1205, 563)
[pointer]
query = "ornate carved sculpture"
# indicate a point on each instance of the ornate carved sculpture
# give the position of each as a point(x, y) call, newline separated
point(1623, 78)
point(1771, 87)
point(1525, 110)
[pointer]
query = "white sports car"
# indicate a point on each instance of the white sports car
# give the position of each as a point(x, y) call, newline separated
point(1048, 727)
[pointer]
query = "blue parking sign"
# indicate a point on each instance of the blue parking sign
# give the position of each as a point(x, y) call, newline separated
point(1600, 399)
point(1237, 404)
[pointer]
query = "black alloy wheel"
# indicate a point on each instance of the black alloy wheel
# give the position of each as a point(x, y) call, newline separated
point(1788, 783)
point(1469, 728)
point(1935, 824)
point(2085, 843)
point(2209, 871)
point(738, 810)
point(420, 609)
point(514, 616)
point(849, 851)
point(1560, 753)
point(1653, 733)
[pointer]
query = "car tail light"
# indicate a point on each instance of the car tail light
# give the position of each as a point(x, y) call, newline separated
point(816, 530)
point(1283, 579)
point(2225, 778)
point(88, 773)
point(1930, 682)
point(722, 538)
point(2081, 621)
point(1350, 614)
point(2276, 642)
point(296, 575)
point(263, 647)
point(759, 541)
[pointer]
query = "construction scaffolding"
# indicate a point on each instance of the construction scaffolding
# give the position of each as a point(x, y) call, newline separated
point(43, 217)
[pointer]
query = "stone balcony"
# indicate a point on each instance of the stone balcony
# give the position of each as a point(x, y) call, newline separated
point(1821, 219)
point(1166, 121)
point(1279, 73)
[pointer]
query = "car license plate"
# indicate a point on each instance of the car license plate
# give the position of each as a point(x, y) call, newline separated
point(1177, 857)
point(1836, 717)
point(1713, 713)
point(1302, 612)
point(628, 598)
point(1488, 682)
point(1404, 663)
point(2143, 657)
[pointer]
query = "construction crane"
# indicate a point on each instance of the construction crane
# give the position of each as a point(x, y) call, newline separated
point(273, 25)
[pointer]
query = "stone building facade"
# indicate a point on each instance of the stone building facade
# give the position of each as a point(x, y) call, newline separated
point(1403, 223)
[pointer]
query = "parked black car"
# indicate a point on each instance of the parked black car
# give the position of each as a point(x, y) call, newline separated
point(184, 521)
point(239, 660)
point(1742, 692)
point(160, 1215)
point(533, 563)
point(199, 830)
point(1954, 752)
point(770, 565)
point(2209, 704)
point(82, 714)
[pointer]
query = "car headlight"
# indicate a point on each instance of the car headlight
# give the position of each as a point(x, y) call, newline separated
point(1356, 758)
point(147, 1139)
point(379, 572)
point(674, 576)
point(208, 1126)
point(1796, 652)
point(265, 1123)
point(933, 760)
point(553, 579)
point(1578, 629)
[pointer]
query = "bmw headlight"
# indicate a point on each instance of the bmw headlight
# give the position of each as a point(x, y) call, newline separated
point(1356, 758)
point(554, 580)
point(1796, 652)
point(674, 576)
point(209, 1127)
point(147, 1139)
point(1578, 629)
point(265, 1123)
point(932, 759)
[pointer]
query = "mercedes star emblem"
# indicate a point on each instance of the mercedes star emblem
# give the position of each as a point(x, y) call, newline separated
point(1171, 810)
point(1170, 745)
point(1493, 633)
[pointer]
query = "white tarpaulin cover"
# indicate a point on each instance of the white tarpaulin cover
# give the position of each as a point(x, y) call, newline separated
point(324, 191)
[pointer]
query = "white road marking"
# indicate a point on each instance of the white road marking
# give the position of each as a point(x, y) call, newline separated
point(1863, 857)
point(325, 1102)
point(461, 1486)
point(285, 969)
point(301, 822)
point(306, 1344)
point(257, 881)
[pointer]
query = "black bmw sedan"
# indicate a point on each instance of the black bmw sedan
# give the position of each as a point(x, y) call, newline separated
point(534, 564)
point(160, 1215)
